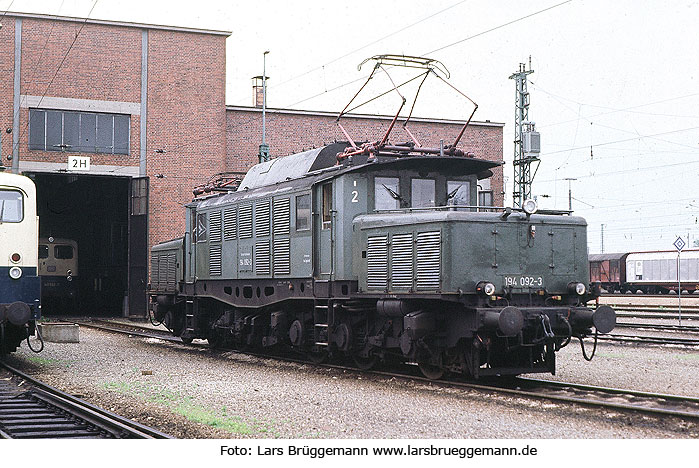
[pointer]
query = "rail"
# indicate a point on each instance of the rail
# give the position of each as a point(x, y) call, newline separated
point(43, 411)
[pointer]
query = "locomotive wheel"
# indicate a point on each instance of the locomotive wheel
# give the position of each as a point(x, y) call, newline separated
point(365, 363)
point(186, 340)
point(431, 371)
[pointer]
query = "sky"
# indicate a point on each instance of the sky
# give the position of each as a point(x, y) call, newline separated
point(614, 91)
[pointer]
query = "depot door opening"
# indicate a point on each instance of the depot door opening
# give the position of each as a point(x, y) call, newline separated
point(91, 214)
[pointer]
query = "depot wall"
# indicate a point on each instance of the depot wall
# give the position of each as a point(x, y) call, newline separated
point(170, 81)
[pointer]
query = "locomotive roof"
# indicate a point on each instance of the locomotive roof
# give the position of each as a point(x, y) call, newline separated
point(305, 169)
point(308, 162)
point(10, 180)
point(290, 167)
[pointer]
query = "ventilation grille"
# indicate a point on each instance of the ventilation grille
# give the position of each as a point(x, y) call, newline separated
point(172, 269)
point(429, 250)
point(215, 226)
point(282, 216)
point(245, 222)
point(377, 262)
point(230, 219)
point(262, 260)
point(154, 277)
point(262, 218)
point(402, 261)
point(282, 256)
point(215, 265)
point(162, 270)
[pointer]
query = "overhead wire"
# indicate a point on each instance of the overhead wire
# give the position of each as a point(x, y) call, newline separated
point(6, 10)
point(445, 47)
point(364, 77)
point(337, 59)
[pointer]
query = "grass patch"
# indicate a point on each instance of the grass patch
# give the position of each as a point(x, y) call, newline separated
point(42, 361)
point(179, 404)
point(233, 424)
point(120, 387)
point(689, 357)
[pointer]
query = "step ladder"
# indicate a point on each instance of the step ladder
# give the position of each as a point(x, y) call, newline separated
point(189, 318)
point(320, 322)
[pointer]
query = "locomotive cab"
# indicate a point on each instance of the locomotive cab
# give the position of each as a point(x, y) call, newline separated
point(58, 269)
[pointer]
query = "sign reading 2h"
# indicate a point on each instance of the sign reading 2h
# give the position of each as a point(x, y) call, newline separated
point(78, 163)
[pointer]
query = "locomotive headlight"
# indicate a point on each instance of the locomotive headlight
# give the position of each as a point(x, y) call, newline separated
point(15, 273)
point(577, 288)
point(486, 288)
point(530, 206)
point(15, 257)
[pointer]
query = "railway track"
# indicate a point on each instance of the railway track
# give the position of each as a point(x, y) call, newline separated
point(684, 407)
point(661, 405)
point(39, 411)
point(672, 294)
point(642, 339)
point(660, 327)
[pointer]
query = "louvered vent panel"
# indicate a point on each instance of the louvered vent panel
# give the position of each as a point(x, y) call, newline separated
point(262, 220)
point(377, 262)
point(245, 222)
point(215, 265)
point(172, 270)
point(155, 279)
point(162, 270)
point(402, 261)
point(282, 216)
point(262, 260)
point(230, 219)
point(282, 257)
point(215, 226)
point(429, 265)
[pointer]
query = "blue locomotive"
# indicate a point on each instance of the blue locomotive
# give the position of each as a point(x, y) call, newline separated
point(20, 285)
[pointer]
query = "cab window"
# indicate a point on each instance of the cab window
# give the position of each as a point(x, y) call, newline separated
point(11, 206)
point(386, 195)
point(201, 227)
point(423, 192)
point(63, 252)
point(303, 212)
point(458, 192)
point(327, 205)
point(43, 251)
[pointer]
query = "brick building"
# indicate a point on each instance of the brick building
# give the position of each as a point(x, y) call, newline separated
point(116, 122)
point(130, 97)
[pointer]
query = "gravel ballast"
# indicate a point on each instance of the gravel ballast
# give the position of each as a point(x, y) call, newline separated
point(193, 392)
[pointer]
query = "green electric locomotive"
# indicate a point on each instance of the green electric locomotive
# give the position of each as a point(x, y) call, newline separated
point(377, 252)
point(378, 258)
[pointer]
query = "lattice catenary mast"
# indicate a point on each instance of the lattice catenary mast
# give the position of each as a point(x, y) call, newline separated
point(527, 141)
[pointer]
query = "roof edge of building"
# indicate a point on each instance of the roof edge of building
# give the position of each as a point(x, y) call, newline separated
point(486, 123)
point(126, 24)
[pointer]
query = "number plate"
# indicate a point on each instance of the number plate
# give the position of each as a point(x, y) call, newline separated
point(524, 281)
